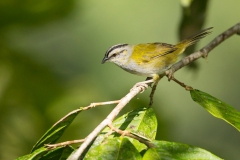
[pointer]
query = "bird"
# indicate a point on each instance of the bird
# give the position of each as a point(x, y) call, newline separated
point(150, 59)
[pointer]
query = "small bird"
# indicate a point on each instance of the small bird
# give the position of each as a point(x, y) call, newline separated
point(150, 59)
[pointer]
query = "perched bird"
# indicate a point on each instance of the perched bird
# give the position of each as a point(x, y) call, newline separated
point(150, 59)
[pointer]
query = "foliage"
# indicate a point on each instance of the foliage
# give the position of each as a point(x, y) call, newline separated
point(141, 122)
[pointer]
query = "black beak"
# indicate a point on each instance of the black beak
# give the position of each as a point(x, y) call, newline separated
point(104, 59)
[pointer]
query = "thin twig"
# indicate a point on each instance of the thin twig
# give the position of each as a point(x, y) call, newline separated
point(92, 105)
point(152, 93)
point(129, 134)
point(53, 146)
point(188, 88)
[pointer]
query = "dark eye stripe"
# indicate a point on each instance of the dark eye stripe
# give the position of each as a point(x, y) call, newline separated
point(114, 47)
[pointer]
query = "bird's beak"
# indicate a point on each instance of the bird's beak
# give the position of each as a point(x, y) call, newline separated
point(104, 60)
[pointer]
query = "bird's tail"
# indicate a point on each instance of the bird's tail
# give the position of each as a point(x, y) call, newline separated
point(193, 39)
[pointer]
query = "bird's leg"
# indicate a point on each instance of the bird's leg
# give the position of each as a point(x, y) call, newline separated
point(148, 82)
point(156, 79)
point(150, 79)
point(188, 88)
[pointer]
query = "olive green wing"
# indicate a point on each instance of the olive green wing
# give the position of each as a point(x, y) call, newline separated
point(163, 49)
point(143, 53)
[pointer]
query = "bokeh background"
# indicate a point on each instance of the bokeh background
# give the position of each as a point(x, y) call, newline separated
point(50, 64)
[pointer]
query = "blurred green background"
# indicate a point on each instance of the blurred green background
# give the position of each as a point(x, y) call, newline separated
point(50, 64)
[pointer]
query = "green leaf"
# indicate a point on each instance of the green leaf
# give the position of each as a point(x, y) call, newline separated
point(116, 148)
point(217, 108)
point(176, 151)
point(37, 154)
point(141, 122)
point(66, 152)
point(60, 153)
point(56, 131)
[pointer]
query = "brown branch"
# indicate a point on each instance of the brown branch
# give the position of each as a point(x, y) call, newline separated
point(53, 146)
point(140, 88)
point(108, 120)
point(129, 134)
point(92, 105)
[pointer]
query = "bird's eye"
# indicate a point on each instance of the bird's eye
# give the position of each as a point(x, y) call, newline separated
point(114, 55)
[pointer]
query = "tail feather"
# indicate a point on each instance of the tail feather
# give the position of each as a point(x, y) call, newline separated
point(195, 38)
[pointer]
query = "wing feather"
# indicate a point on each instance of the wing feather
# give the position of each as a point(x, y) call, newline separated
point(143, 53)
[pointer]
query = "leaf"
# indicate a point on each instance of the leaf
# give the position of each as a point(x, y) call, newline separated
point(66, 153)
point(60, 153)
point(56, 131)
point(176, 151)
point(37, 154)
point(141, 122)
point(217, 108)
point(116, 148)
point(43, 153)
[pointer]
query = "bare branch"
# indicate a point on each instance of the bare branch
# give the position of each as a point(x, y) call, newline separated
point(53, 146)
point(108, 120)
point(92, 105)
point(129, 134)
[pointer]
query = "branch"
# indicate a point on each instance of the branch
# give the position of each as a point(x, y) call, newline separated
point(53, 146)
point(140, 87)
point(204, 51)
point(129, 134)
point(108, 120)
